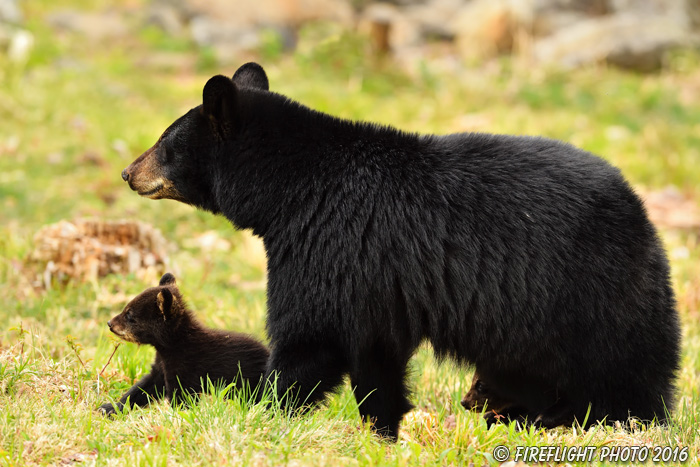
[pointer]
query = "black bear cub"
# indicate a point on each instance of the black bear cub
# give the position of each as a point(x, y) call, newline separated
point(188, 354)
point(481, 395)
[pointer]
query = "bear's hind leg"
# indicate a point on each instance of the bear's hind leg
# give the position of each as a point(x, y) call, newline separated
point(181, 394)
point(381, 392)
point(304, 374)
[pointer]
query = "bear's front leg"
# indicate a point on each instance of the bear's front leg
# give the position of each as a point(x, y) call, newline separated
point(380, 390)
point(304, 374)
point(150, 387)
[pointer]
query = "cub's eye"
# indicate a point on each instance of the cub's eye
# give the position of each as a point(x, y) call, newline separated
point(129, 317)
point(479, 386)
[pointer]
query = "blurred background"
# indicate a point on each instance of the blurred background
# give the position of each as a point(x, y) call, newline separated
point(86, 86)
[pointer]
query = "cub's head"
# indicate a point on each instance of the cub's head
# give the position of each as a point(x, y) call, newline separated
point(152, 315)
point(179, 165)
point(480, 395)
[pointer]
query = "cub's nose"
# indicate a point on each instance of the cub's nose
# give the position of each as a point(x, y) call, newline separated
point(109, 324)
point(125, 175)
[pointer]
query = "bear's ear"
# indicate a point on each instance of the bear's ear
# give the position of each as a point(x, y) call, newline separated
point(251, 75)
point(165, 302)
point(167, 279)
point(219, 103)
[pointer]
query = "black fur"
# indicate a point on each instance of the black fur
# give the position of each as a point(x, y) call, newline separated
point(528, 257)
point(187, 353)
point(481, 395)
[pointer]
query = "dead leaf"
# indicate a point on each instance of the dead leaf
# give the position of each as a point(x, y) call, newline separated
point(160, 433)
point(450, 422)
point(78, 458)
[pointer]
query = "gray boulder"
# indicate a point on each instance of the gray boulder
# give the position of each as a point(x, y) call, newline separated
point(10, 12)
point(634, 41)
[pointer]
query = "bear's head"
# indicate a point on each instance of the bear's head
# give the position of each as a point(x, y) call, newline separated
point(152, 316)
point(179, 165)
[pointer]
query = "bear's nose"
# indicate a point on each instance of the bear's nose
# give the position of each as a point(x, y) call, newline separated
point(125, 175)
point(109, 324)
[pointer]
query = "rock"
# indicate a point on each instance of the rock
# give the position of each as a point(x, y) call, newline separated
point(574, 32)
point(20, 45)
point(10, 12)
point(649, 7)
point(231, 27)
point(261, 12)
point(633, 34)
point(670, 209)
point(434, 18)
point(168, 18)
point(400, 3)
point(485, 28)
point(14, 40)
point(389, 27)
point(629, 40)
point(94, 25)
point(686, 13)
point(208, 31)
point(549, 16)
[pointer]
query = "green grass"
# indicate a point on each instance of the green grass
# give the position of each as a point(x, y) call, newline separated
point(76, 113)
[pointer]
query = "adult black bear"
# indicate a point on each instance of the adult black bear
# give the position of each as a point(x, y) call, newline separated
point(187, 353)
point(528, 257)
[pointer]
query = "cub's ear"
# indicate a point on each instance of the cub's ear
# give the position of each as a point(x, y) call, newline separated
point(251, 75)
point(219, 103)
point(167, 279)
point(165, 301)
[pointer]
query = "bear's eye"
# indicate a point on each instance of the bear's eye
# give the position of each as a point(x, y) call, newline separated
point(129, 317)
point(167, 154)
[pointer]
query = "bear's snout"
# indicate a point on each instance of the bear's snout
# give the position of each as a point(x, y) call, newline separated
point(146, 176)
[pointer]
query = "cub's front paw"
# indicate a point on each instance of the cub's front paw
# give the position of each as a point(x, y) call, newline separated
point(107, 409)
